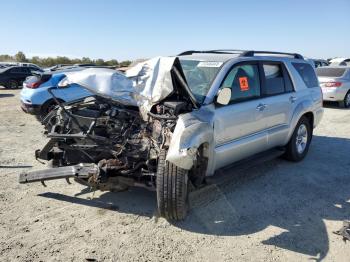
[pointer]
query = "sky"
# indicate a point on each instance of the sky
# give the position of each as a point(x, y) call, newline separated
point(129, 29)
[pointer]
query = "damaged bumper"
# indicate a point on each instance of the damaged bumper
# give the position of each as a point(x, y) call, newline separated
point(30, 109)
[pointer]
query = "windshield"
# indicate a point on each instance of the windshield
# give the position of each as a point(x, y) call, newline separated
point(199, 75)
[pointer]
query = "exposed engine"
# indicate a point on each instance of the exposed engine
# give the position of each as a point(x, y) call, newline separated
point(113, 136)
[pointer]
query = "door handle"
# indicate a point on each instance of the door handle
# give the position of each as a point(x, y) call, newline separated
point(292, 99)
point(261, 107)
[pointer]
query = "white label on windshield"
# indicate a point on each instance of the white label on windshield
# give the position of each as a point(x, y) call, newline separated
point(209, 64)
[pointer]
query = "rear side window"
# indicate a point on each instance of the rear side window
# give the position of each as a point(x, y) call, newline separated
point(330, 72)
point(19, 70)
point(244, 82)
point(307, 73)
point(274, 81)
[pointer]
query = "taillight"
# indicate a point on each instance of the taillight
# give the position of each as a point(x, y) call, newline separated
point(333, 84)
point(34, 84)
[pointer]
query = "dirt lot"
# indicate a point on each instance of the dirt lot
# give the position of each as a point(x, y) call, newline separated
point(276, 211)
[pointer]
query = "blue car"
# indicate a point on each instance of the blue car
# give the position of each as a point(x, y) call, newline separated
point(36, 99)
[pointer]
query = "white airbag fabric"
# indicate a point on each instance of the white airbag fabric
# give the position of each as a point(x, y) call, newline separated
point(143, 85)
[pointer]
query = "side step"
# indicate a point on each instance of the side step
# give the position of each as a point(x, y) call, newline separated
point(222, 177)
point(81, 171)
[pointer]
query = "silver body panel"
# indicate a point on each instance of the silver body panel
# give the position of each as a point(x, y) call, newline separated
point(237, 131)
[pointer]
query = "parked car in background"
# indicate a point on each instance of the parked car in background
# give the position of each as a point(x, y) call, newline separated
point(320, 62)
point(335, 84)
point(317, 62)
point(13, 76)
point(340, 61)
point(21, 64)
point(36, 99)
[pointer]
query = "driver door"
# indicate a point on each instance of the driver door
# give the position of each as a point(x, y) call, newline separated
point(239, 126)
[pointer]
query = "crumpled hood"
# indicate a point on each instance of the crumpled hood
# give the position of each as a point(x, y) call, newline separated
point(144, 85)
point(103, 82)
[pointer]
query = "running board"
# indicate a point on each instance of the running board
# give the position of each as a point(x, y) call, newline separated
point(221, 177)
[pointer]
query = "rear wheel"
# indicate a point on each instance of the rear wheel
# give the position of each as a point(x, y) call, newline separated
point(299, 143)
point(172, 189)
point(346, 102)
point(12, 84)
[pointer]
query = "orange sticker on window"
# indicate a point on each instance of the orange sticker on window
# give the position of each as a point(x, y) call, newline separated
point(243, 83)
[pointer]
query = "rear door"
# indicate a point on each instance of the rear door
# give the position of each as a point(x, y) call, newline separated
point(278, 98)
point(239, 127)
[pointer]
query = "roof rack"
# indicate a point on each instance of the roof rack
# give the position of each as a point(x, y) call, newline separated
point(252, 53)
point(219, 51)
point(244, 53)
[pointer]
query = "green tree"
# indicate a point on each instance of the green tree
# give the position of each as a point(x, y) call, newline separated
point(20, 57)
point(100, 62)
point(125, 63)
point(112, 62)
point(86, 60)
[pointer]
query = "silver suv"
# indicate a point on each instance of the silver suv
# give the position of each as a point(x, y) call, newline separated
point(184, 118)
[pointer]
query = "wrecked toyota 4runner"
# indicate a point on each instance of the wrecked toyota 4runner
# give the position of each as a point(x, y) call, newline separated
point(170, 122)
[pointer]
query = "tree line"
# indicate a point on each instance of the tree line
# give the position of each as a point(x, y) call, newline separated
point(63, 60)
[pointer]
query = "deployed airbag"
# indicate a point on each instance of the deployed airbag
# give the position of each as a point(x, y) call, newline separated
point(143, 85)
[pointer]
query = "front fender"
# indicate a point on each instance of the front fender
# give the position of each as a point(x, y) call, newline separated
point(189, 134)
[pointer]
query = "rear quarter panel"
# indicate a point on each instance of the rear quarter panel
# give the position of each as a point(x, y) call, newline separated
point(308, 100)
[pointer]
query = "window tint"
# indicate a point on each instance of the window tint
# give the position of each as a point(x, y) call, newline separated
point(274, 81)
point(18, 70)
point(244, 82)
point(288, 85)
point(33, 69)
point(307, 73)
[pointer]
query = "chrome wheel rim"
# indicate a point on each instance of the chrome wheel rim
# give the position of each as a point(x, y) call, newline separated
point(301, 139)
point(347, 100)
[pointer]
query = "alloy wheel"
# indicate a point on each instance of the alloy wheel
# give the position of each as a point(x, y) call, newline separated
point(302, 138)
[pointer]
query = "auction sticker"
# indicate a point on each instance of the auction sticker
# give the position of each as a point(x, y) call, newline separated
point(209, 64)
point(243, 83)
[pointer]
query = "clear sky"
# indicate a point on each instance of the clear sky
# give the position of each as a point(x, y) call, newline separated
point(142, 29)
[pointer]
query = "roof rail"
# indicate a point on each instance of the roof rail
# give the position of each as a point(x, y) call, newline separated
point(244, 53)
point(252, 53)
point(219, 51)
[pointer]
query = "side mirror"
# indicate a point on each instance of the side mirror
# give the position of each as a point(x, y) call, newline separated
point(224, 96)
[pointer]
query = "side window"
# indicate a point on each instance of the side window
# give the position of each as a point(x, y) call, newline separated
point(274, 82)
point(33, 69)
point(18, 70)
point(307, 73)
point(25, 70)
point(244, 82)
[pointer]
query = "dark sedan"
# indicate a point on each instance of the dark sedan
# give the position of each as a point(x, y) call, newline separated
point(13, 77)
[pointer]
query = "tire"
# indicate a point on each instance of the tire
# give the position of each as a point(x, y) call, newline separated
point(346, 102)
point(47, 108)
point(172, 189)
point(12, 84)
point(297, 146)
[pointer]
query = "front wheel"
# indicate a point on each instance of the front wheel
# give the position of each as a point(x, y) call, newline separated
point(172, 189)
point(299, 143)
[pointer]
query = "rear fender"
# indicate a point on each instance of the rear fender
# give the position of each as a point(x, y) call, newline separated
point(301, 109)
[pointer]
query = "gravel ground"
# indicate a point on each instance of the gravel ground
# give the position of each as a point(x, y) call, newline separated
point(276, 211)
